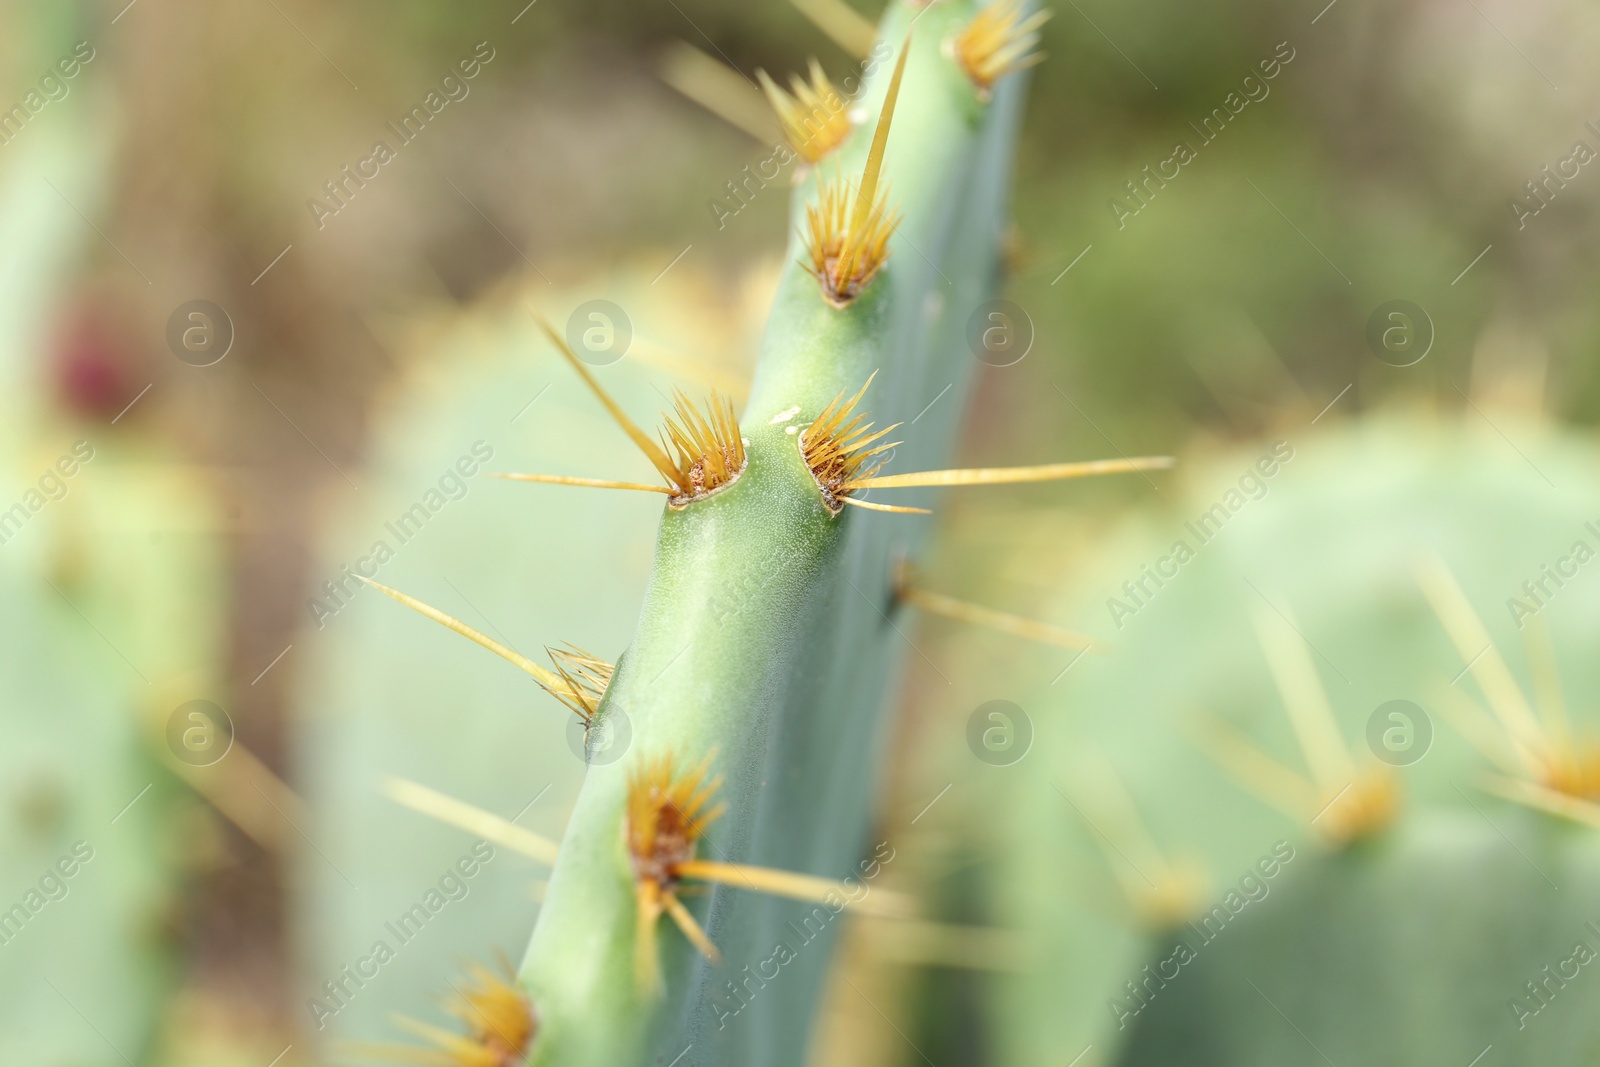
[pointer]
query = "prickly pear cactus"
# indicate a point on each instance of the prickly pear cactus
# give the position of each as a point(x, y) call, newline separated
point(110, 579)
point(691, 907)
point(1232, 845)
point(113, 597)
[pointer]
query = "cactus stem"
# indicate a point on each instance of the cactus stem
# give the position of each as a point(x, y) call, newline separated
point(977, 615)
point(813, 116)
point(849, 246)
point(1048, 472)
point(593, 483)
point(845, 26)
point(710, 451)
point(471, 818)
point(998, 41)
point(550, 681)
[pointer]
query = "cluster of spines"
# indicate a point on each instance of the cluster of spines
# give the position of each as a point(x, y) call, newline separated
point(840, 447)
point(668, 812)
point(998, 41)
point(499, 1022)
point(812, 114)
point(1161, 893)
point(841, 451)
point(669, 807)
point(1543, 765)
point(700, 451)
point(1343, 800)
point(847, 240)
point(586, 676)
point(709, 450)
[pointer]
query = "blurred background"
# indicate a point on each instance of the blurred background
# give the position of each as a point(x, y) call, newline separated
point(237, 345)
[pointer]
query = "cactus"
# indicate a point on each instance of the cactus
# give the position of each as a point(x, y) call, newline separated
point(114, 597)
point(383, 697)
point(1209, 777)
point(754, 681)
point(111, 580)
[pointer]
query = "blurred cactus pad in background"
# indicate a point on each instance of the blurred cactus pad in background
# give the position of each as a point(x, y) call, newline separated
point(701, 534)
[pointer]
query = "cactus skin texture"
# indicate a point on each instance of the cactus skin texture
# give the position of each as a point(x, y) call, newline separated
point(764, 641)
point(1405, 946)
point(1397, 951)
